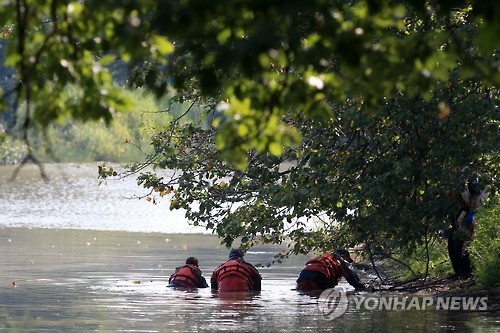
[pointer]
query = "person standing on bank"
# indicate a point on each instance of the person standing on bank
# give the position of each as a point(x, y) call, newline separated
point(463, 226)
point(188, 276)
point(236, 275)
point(325, 272)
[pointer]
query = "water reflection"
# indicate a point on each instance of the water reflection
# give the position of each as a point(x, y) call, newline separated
point(72, 199)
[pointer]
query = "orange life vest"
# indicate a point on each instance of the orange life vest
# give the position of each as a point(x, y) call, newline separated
point(328, 266)
point(235, 275)
point(186, 277)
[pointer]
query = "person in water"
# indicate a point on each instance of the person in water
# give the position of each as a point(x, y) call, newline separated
point(325, 272)
point(236, 275)
point(188, 276)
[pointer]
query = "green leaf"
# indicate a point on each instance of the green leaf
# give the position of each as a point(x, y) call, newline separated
point(275, 149)
point(164, 46)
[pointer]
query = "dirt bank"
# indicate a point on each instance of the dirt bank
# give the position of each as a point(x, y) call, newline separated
point(445, 287)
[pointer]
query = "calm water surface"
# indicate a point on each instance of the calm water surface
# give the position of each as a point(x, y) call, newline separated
point(72, 199)
point(80, 258)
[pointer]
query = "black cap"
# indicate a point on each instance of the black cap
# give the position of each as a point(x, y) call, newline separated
point(235, 254)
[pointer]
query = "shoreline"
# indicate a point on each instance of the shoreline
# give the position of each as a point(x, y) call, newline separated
point(5, 227)
point(442, 287)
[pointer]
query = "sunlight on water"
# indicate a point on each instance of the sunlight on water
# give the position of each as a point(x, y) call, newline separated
point(72, 199)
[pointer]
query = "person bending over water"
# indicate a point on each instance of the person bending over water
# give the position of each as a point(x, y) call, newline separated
point(325, 271)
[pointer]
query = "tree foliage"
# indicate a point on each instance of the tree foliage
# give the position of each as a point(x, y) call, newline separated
point(357, 113)
point(262, 57)
point(381, 178)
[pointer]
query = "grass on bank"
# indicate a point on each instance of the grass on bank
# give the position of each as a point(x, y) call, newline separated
point(485, 249)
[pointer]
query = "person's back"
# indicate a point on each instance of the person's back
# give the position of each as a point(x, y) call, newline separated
point(318, 274)
point(236, 275)
point(325, 272)
point(188, 276)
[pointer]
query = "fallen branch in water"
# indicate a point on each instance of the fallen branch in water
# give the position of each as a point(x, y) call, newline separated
point(416, 287)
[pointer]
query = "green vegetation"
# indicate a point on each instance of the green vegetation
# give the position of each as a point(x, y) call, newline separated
point(263, 58)
point(11, 151)
point(358, 114)
point(484, 251)
point(485, 248)
point(419, 263)
point(126, 139)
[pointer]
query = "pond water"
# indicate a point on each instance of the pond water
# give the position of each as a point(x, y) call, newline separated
point(81, 258)
point(73, 199)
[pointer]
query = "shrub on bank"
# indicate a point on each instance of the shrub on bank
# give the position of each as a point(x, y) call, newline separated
point(125, 139)
point(485, 249)
point(11, 151)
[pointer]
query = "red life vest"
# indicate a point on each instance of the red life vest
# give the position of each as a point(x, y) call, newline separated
point(235, 275)
point(328, 266)
point(186, 277)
